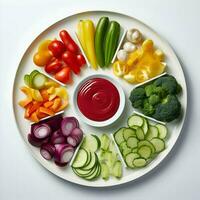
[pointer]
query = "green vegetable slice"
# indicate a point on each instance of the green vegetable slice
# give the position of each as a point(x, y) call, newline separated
point(144, 152)
point(162, 130)
point(38, 81)
point(147, 143)
point(139, 162)
point(132, 142)
point(140, 134)
point(159, 144)
point(119, 138)
point(128, 132)
point(130, 158)
point(81, 159)
point(117, 169)
point(105, 171)
point(152, 133)
point(91, 143)
point(135, 120)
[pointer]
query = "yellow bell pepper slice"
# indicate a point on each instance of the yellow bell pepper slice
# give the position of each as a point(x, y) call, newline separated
point(130, 77)
point(36, 95)
point(62, 93)
point(89, 33)
point(120, 69)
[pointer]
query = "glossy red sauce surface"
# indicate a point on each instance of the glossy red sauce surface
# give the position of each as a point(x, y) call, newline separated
point(98, 99)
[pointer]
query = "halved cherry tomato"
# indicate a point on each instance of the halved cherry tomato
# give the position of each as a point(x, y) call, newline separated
point(70, 59)
point(69, 42)
point(80, 60)
point(57, 48)
point(64, 75)
point(54, 66)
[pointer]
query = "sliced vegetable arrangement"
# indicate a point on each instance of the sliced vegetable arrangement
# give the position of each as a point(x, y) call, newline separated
point(99, 45)
point(138, 60)
point(141, 141)
point(97, 157)
point(109, 159)
point(59, 58)
point(44, 97)
point(158, 99)
point(57, 138)
point(86, 163)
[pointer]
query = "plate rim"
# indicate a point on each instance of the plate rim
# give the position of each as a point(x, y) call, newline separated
point(45, 28)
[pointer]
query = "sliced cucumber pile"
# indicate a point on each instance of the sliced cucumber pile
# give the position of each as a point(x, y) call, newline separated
point(141, 141)
point(110, 164)
point(86, 163)
point(35, 80)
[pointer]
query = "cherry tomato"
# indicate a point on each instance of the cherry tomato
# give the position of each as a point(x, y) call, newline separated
point(53, 66)
point(64, 75)
point(69, 42)
point(57, 48)
point(80, 60)
point(70, 59)
point(41, 58)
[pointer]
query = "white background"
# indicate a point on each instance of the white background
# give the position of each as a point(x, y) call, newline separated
point(178, 176)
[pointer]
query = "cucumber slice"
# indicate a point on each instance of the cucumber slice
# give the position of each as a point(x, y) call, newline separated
point(162, 131)
point(152, 133)
point(117, 169)
point(92, 163)
point(33, 73)
point(159, 144)
point(140, 133)
point(128, 132)
point(123, 146)
point(81, 159)
point(91, 143)
point(95, 174)
point(145, 126)
point(126, 151)
point(38, 81)
point(139, 162)
point(84, 173)
point(105, 171)
point(147, 143)
point(135, 120)
point(105, 142)
point(27, 80)
point(132, 142)
point(144, 152)
point(119, 138)
point(130, 158)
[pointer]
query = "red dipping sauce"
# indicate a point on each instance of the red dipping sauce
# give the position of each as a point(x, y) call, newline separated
point(98, 99)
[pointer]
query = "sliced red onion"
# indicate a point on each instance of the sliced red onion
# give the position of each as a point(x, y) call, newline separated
point(57, 137)
point(63, 153)
point(41, 131)
point(72, 141)
point(35, 141)
point(68, 124)
point(54, 122)
point(77, 133)
point(47, 151)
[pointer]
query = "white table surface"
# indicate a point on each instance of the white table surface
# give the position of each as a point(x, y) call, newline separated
point(178, 177)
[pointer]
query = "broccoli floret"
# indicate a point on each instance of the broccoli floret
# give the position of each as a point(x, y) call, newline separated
point(149, 89)
point(137, 97)
point(168, 110)
point(168, 83)
point(154, 99)
point(148, 109)
point(160, 92)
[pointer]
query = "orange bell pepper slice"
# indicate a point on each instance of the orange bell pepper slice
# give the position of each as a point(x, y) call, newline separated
point(34, 117)
point(56, 104)
point(46, 111)
point(63, 106)
point(44, 94)
point(48, 104)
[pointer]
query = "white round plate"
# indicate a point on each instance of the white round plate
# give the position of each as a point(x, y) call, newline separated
point(70, 23)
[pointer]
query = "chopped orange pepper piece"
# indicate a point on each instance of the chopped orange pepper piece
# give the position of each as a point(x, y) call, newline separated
point(48, 104)
point(44, 94)
point(34, 117)
point(46, 111)
point(56, 104)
